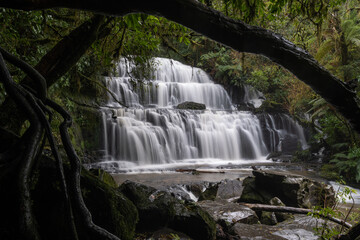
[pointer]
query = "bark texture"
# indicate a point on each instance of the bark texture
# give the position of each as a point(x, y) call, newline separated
point(235, 34)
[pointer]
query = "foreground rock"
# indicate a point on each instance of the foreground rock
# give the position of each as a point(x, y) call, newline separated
point(293, 190)
point(158, 209)
point(110, 209)
point(227, 213)
point(299, 228)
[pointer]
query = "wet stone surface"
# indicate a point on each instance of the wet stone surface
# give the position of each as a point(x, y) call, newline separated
point(299, 228)
point(227, 213)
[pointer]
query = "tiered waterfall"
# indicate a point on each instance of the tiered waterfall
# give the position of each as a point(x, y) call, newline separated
point(150, 131)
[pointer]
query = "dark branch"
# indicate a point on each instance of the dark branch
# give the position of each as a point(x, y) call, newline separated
point(232, 33)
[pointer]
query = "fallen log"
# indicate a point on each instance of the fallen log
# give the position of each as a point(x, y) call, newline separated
point(285, 209)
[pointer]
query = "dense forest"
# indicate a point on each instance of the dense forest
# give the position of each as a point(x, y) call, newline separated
point(69, 50)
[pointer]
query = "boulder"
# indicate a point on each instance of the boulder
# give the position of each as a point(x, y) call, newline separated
point(210, 192)
point(228, 213)
point(293, 190)
point(268, 218)
point(191, 106)
point(110, 209)
point(229, 189)
point(253, 193)
point(226, 189)
point(158, 209)
point(108, 206)
point(104, 176)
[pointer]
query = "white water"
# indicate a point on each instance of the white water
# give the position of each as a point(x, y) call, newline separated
point(152, 134)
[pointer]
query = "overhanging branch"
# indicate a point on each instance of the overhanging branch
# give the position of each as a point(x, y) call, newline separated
point(235, 34)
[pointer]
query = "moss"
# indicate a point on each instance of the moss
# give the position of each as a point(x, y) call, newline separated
point(104, 176)
point(270, 107)
point(210, 193)
point(195, 222)
point(109, 207)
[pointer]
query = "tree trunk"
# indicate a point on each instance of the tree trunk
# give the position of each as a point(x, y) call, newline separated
point(53, 65)
point(235, 34)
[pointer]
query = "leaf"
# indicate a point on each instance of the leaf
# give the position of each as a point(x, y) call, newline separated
point(341, 155)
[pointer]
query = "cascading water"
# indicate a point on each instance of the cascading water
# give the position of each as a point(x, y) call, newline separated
point(152, 133)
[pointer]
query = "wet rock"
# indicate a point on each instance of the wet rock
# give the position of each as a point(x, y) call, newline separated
point(210, 192)
point(268, 218)
point(275, 155)
point(191, 105)
point(182, 192)
point(299, 228)
point(251, 232)
point(293, 190)
point(229, 189)
point(254, 194)
point(227, 213)
point(196, 189)
point(194, 221)
point(158, 209)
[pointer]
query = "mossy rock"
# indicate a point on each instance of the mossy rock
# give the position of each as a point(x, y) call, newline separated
point(194, 221)
point(104, 176)
point(210, 193)
point(293, 190)
point(158, 209)
point(270, 107)
point(110, 209)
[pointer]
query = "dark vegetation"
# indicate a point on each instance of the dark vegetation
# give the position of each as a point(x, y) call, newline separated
point(69, 49)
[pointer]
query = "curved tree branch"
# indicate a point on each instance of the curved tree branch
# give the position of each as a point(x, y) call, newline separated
point(235, 34)
point(34, 135)
point(79, 203)
point(38, 79)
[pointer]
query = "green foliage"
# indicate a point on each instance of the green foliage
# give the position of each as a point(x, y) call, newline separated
point(302, 155)
point(348, 163)
point(324, 230)
point(332, 129)
point(222, 66)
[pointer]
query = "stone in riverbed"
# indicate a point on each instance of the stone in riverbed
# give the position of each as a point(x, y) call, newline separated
point(227, 213)
point(229, 189)
point(293, 190)
point(158, 209)
point(268, 218)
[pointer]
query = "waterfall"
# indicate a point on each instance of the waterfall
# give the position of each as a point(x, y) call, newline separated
point(152, 132)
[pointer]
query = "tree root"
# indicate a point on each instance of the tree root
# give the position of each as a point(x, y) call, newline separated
point(31, 103)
